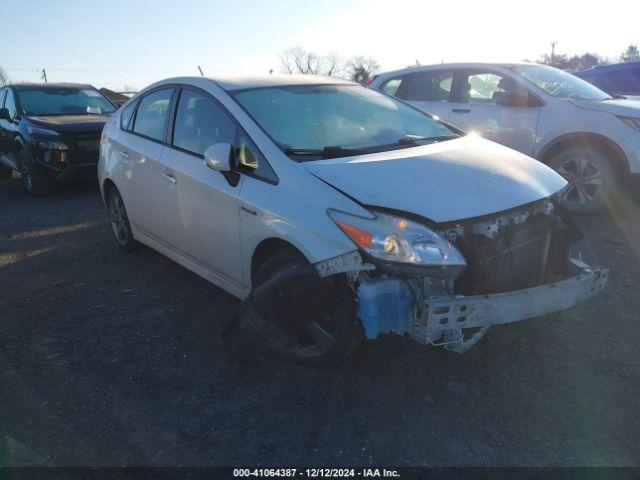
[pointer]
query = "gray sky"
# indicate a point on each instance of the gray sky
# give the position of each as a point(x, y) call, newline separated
point(135, 42)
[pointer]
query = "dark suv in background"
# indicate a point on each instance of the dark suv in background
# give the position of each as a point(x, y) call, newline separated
point(620, 79)
point(50, 133)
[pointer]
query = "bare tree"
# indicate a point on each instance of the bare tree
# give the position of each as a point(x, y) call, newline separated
point(631, 54)
point(575, 62)
point(299, 60)
point(4, 78)
point(362, 69)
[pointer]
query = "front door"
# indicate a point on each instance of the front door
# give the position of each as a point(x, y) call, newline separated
point(480, 110)
point(201, 210)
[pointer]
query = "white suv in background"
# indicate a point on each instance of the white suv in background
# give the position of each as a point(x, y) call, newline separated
point(590, 138)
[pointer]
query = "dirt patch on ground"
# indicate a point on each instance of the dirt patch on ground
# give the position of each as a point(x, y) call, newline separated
point(109, 358)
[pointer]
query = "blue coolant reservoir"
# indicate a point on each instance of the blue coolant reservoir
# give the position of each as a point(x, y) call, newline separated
point(385, 306)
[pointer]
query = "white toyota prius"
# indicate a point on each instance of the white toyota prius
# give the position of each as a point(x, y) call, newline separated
point(338, 213)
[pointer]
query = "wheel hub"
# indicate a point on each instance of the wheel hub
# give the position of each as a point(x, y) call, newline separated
point(585, 180)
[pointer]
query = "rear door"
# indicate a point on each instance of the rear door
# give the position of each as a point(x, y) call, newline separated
point(479, 109)
point(429, 91)
point(140, 150)
point(201, 210)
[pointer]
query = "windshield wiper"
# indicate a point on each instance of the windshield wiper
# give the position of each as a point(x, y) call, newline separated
point(336, 151)
point(326, 152)
point(412, 139)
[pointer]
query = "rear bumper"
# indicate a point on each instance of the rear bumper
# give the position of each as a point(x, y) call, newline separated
point(444, 320)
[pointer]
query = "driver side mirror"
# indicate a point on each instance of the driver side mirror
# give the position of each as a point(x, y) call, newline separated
point(4, 114)
point(218, 157)
point(517, 98)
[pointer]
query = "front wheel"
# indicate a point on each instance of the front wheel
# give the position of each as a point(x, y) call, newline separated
point(316, 318)
point(592, 179)
point(31, 184)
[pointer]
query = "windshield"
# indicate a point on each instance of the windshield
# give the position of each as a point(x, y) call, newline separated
point(316, 117)
point(560, 84)
point(63, 101)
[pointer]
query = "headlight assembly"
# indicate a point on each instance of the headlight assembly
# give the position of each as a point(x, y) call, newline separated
point(45, 132)
point(398, 242)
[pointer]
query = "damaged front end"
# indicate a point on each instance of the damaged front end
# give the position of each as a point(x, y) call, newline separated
point(448, 284)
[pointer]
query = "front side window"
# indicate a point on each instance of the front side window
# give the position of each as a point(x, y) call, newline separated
point(152, 114)
point(430, 86)
point(63, 101)
point(331, 117)
point(201, 122)
point(487, 88)
point(560, 84)
point(250, 161)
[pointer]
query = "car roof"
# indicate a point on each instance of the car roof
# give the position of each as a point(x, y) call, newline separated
point(24, 86)
point(232, 83)
point(242, 82)
point(458, 65)
point(611, 67)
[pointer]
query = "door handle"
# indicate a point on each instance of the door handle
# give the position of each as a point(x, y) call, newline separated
point(169, 178)
point(461, 110)
point(124, 155)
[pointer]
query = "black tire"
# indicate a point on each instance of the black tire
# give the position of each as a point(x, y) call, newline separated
point(32, 185)
point(120, 221)
point(311, 321)
point(591, 176)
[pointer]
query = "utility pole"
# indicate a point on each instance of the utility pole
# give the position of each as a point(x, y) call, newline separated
point(201, 74)
point(44, 75)
point(553, 50)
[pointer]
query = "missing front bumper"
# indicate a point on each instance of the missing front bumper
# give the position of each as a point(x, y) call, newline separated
point(448, 320)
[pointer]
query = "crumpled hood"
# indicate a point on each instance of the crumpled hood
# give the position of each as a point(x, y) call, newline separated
point(453, 180)
point(618, 106)
point(71, 123)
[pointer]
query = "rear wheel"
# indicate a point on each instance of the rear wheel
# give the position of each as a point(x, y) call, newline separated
point(31, 184)
point(592, 179)
point(120, 221)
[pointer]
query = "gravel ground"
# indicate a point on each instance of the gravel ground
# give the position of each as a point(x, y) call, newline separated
point(109, 358)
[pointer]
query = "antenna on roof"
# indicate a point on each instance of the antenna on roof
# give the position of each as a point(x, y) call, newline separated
point(44, 75)
point(201, 74)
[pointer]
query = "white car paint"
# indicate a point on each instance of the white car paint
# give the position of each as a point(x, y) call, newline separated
point(488, 178)
point(197, 221)
point(532, 130)
point(178, 205)
point(559, 116)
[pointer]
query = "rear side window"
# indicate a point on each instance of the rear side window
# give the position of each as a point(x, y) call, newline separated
point(201, 122)
point(432, 86)
point(126, 115)
point(153, 111)
point(2, 95)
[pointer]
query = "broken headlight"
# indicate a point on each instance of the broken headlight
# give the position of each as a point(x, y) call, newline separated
point(398, 243)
